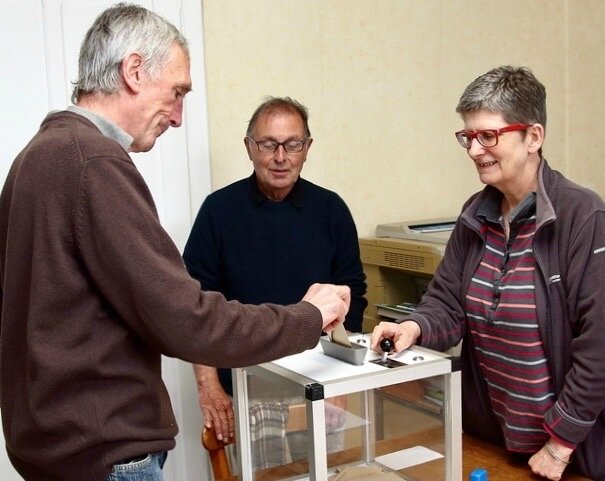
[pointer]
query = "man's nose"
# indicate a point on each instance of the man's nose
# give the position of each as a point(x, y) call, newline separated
point(280, 153)
point(176, 117)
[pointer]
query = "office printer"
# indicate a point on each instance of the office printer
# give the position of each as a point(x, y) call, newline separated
point(434, 230)
point(415, 246)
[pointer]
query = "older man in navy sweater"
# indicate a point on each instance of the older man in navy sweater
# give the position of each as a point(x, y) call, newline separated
point(268, 237)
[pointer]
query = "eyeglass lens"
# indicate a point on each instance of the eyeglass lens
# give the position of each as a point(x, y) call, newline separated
point(487, 138)
point(270, 146)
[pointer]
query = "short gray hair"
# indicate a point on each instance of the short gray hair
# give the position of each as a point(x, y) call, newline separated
point(117, 32)
point(513, 92)
point(282, 105)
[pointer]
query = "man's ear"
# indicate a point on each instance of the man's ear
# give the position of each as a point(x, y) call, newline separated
point(132, 71)
point(247, 144)
point(307, 147)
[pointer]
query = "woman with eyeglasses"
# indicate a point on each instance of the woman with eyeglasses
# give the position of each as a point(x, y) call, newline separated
point(521, 283)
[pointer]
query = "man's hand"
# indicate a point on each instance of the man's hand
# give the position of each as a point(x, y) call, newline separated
point(333, 302)
point(403, 335)
point(336, 413)
point(215, 404)
point(551, 460)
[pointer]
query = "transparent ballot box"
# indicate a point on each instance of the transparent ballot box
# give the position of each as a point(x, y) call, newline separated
point(314, 417)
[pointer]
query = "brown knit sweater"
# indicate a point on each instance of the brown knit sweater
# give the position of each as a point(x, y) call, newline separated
point(93, 292)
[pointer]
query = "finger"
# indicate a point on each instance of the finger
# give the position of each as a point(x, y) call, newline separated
point(217, 423)
point(401, 343)
point(223, 429)
point(219, 430)
point(223, 417)
point(207, 418)
point(330, 327)
point(344, 292)
point(376, 337)
point(381, 331)
point(313, 290)
point(231, 422)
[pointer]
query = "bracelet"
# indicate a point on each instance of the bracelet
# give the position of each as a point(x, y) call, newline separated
point(554, 455)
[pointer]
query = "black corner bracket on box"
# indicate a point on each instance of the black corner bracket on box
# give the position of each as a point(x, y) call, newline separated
point(314, 391)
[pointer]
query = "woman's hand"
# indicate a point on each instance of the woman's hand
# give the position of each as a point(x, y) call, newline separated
point(551, 460)
point(403, 335)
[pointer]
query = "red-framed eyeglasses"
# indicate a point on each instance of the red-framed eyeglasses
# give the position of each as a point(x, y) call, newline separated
point(488, 137)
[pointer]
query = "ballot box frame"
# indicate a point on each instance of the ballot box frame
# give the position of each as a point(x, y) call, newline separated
point(315, 393)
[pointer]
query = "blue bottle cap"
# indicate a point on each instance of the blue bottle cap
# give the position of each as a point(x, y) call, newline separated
point(478, 475)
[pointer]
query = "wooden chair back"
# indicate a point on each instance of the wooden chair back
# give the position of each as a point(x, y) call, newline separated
point(297, 421)
point(217, 454)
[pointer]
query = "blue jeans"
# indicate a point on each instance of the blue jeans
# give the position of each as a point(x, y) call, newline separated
point(148, 469)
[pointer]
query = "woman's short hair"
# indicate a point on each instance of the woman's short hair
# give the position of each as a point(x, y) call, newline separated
point(117, 32)
point(513, 92)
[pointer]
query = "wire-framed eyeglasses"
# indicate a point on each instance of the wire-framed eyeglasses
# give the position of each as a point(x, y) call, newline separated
point(270, 146)
point(488, 137)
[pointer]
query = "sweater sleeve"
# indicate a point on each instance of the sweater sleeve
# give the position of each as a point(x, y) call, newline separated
point(347, 269)
point(202, 253)
point(138, 270)
point(441, 314)
point(582, 398)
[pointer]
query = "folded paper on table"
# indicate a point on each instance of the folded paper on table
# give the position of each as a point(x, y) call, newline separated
point(408, 457)
point(364, 473)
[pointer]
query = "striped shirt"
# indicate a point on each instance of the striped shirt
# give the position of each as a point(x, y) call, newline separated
point(501, 314)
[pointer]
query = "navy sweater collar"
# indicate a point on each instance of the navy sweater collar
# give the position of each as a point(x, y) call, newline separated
point(295, 197)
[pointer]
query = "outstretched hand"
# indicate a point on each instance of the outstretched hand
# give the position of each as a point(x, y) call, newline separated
point(403, 335)
point(333, 302)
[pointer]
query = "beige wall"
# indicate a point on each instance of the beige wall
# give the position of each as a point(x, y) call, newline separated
point(382, 78)
point(586, 100)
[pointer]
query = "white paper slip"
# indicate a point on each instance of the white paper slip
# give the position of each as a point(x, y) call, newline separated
point(408, 457)
point(340, 336)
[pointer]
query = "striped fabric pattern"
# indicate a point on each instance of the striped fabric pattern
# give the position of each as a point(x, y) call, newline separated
point(268, 434)
point(501, 314)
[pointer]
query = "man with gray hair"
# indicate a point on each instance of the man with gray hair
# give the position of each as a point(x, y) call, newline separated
point(93, 290)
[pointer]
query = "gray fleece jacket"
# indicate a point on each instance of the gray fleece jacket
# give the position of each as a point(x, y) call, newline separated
point(569, 248)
